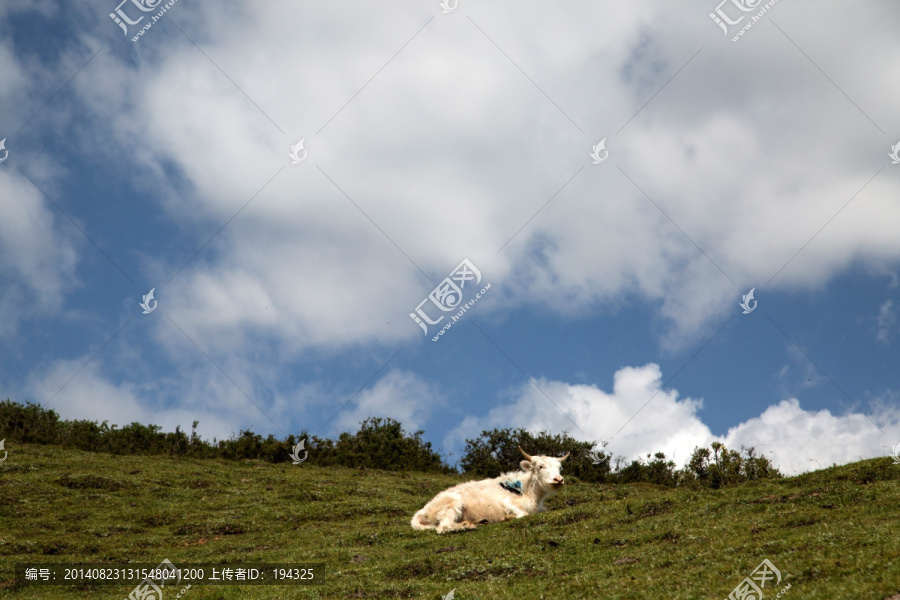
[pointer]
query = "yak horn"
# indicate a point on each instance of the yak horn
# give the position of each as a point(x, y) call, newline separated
point(565, 457)
point(525, 454)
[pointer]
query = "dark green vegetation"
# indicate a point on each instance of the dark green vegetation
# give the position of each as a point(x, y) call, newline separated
point(497, 450)
point(380, 443)
point(383, 444)
point(832, 533)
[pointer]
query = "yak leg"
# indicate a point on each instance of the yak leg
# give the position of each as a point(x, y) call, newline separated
point(449, 518)
point(513, 511)
point(447, 521)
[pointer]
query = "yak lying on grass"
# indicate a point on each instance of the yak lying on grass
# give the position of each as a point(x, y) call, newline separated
point(512, 495)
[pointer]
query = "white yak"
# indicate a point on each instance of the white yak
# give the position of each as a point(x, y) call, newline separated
point(511, 496)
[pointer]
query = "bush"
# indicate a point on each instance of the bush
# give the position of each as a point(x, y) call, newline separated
point(29, 424)
point(383, 444)
point(379, 444)
point(723, 467)
point(497, 451)
point(657, 470)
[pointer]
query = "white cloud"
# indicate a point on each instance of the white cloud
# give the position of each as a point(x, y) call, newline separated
point(91, 393)
point(221, 407)
point(667, 424)
point(798, 440)
point(37, 254)
point(886, 321)
point(794, 439)
point(399, 395)
point(12, 78)
point(434, 151)
point(450, 150)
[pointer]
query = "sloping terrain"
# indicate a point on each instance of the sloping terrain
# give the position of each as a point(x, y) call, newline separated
point(833, 534)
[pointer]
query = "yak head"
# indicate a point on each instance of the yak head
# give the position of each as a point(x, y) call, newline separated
point(544, 469)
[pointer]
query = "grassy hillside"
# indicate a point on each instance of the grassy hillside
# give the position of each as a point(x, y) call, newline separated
point(833, 534)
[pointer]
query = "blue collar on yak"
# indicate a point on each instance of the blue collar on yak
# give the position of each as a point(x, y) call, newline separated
point(513, 486)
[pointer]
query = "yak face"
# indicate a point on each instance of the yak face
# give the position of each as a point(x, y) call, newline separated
point(545, 470)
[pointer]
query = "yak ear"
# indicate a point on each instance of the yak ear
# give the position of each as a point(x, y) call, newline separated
point(565, 457)
point(525, 454)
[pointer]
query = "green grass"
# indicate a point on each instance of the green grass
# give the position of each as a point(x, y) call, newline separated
point(833, 534)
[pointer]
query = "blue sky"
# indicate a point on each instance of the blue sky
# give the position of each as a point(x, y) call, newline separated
point(285, 290)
